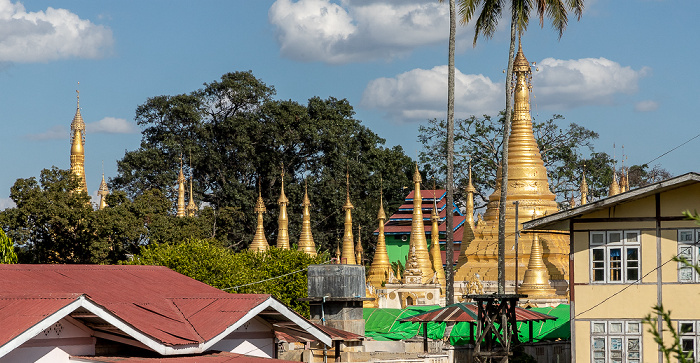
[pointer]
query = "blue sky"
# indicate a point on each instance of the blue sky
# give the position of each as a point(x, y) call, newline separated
point(627, 69)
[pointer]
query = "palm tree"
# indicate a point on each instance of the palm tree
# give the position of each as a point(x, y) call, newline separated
point(486, 24)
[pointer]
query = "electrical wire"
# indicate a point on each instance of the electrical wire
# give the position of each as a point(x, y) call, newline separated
point(272, 278)
point(674, 149)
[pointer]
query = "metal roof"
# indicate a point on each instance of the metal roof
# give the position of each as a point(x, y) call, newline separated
point(152, 304)
point(467, 312)
point(212, 357)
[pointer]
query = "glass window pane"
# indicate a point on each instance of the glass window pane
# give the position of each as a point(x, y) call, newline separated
point(598, 254)
point(686, 327)
point(633, 347)
point(688, 344)
point(597, 238)
point(633, 327)
point(685, 274)
point(685, 236)
point(614, 237)
point(599, 344)
point(615, 328)
point(599, 328)
point(633, 254)
point(615, 264)
point(685, 251)
point(632, 236)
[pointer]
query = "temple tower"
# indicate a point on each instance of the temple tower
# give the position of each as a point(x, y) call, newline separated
point(283, 220)
point(379, 272)
point(348, 252)
point(418, 240)
point(306, 239)
point(536, 280)
point(359, 251)
point(103, 192)
point(181, 192)
point(470, 199)
point(191, 208)
point(614, 186)
point(77, 149)
point(259, 241)
point(527, 183)
point(435, 255)
point(584, 189)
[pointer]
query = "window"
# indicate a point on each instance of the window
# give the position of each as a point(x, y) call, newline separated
point(689, 332)
point(688, 248)
point(616, 341)
point(614, 256)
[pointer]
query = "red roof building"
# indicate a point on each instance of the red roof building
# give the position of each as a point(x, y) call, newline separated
point(56, 312)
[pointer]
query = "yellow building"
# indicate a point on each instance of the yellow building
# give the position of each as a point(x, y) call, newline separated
point(621, 266)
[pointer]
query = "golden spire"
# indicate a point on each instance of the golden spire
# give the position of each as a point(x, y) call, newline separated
point(191, 208)
point(359, 251)
point(584, 187)
point(103, 192)
point(348, 254)
point(470, 198)
point(306, 239)
point(624, 185)
point(181, 192)
point(536, 280)
point(77, 150)
point(283, 219)
point(614, 186)
point(259, 241)
point(418, 240)
point(435, 246)
point(572, 201)
point(337, 252)
point(380, 270)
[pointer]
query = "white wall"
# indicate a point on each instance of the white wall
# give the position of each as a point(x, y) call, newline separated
point(54, 345)
point(254, 338)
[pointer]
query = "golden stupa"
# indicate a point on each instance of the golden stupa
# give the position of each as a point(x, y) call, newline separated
point(527, 183)
point(191, 207)
point(435, 255)
point(103, 192)
point(348, 253)
point(77, 149)
point(380, 270)
point(181, 192)
point(259, 243)
point(306, 239)
point(418, 240)
point(359, 251)
point(584, 189)
point(536, 279)
point(283, 220)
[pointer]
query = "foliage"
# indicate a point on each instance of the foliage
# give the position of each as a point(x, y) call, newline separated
point(639, 176)
point(239, 136)
point(7, 249)
point(242, 272)
point(477, 139)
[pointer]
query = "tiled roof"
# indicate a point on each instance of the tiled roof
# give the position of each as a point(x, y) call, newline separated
point(212, 357)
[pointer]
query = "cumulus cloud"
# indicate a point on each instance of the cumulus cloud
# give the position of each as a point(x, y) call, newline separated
point(7, 203)
point(565, 84)
point(56, 132)
point(421, 94)
point(111, 125)
point(49, 35)
point(356, 30)
point(646, 106)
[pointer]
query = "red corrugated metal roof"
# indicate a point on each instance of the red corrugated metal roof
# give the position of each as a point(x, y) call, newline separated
point(212, 357)
point(468, 312)
point(165, 305)
point(428, 194)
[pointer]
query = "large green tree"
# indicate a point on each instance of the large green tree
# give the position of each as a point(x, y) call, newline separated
point(238, 135)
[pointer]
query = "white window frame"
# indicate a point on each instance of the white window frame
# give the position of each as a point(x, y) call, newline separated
point(690, 336)
point(628, 338)
point(690, 249)
point(622, 270)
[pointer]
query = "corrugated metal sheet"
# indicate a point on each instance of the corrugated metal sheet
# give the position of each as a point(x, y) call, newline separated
point(220, 357)
point(468, 313)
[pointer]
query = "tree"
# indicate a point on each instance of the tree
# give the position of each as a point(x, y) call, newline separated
point(639, 176)
point(238, 134)
point(7, 249)
point(486, 24)
point(280, 273)
point(562, 151)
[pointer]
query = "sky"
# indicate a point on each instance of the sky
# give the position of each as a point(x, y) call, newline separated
point(627, 70)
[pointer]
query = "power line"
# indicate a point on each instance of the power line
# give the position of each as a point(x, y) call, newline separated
point(664, 154)
point(272, 278)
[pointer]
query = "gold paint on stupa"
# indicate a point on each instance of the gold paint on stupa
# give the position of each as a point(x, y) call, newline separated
point(527, 183)
point(418, 239)
point(614, 186)
point(359, 251)
point(283, 219)
point(435, 248)
point(469, 213)
point(584, 188)
point(103, 192)
point(259, 243)
point(77, 150)
point(536, 280)
point(306, 239)
point(348, 254)
point(191, 208)
point(413, 273)
point(380, 270)
point(337, 252)
point(180, 192)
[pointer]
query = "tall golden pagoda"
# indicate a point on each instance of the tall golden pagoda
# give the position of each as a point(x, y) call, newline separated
point(418, 231)
point(180, 192)
point(259, 243)
point(348, 253)
point(584, 188)
point(283, 219)
point(527, 183)
point(380, 270)
point(435, 255)
point(536, 279)
point(103, 192)
point(77, 149)
point(359, 251)
point(469, 213)
point(191, 207)
point(306, 239)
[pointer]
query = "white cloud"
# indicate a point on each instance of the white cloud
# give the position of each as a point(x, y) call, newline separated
point(421, 94)
point(48, 35)
point(111, 125)
point(56, 132)
point(356, 30)
point(646, 106)
point(565, 84)
point(6, 203)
